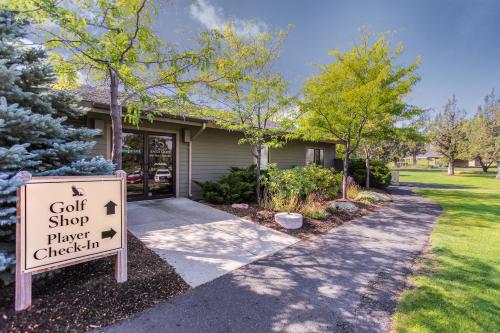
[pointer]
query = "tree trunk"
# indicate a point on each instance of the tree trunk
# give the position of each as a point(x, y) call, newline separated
point(451, 167)
point(346, 171)
point(498, 170)
point(367, 166)
point(116, 122)
point(395, 162)
point(483, 165)
point(257, 174)
point(344, 177)
point(414, 157)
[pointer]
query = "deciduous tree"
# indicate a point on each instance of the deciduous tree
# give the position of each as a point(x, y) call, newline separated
point(249, 96)
point(364, 85)
point(483, 133)
point(113, 42)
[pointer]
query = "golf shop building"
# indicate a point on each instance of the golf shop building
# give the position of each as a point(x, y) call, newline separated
point(165, 158)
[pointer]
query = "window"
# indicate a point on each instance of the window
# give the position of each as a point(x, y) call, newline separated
point(264, 158)
point(315, 156)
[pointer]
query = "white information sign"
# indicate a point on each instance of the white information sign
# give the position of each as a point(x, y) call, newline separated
point(67, 220)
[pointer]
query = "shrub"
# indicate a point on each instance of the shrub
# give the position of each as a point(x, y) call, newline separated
point(317, 215)
point(237, 186)
point(380, 174)
point(283, 203)
point(353, 190)
point(291, 187)
point(314, 211)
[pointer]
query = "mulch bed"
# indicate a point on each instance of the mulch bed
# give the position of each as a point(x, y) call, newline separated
point(86, 296)
point(310, 228)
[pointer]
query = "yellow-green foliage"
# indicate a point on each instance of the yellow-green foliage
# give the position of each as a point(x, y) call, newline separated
point(100, 37)
point(335, 101)
point(297, 186)
point(314, 210)
point(281, 203)
point(353, 190)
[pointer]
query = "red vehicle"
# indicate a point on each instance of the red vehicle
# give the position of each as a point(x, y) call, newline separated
point(134, 178)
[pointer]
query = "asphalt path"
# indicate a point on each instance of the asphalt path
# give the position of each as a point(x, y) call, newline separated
point(347, 280)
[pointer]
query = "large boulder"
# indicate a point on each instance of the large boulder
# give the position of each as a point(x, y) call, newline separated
point(346, 206)
point(371, 197)
point(240, 205)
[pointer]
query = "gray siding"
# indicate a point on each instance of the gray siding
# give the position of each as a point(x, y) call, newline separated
point(99, 148)
point(214, 152)
point(294, 154)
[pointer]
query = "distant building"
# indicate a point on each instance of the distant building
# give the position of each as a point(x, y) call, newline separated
point(436, 160)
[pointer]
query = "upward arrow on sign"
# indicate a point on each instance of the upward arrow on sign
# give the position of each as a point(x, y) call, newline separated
point(110, 208)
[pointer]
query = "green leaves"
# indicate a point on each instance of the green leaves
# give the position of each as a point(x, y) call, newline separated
point(93, 38)
point(483, 133)
point(447, 132)
point(244, 94)
point(361, 90)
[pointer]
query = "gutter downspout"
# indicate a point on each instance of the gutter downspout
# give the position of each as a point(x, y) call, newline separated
point(190, 158)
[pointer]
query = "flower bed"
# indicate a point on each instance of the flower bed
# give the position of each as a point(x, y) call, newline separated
point(311, 226)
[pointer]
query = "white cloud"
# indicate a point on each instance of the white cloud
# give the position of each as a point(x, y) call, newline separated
point(213, 18)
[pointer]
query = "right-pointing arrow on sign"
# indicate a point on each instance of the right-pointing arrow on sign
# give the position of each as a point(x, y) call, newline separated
point(110, 208)
point(108, 233)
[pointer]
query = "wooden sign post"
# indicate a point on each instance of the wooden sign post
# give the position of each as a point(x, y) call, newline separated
point(64, 221)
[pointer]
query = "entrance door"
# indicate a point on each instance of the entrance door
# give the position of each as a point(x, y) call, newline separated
point(149, 159)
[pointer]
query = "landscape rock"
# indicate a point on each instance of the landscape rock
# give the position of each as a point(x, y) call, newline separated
point(343, 205)
point(372, 197)
point(240, 205)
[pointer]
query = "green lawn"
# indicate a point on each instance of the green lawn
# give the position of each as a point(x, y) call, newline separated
point(458, 289)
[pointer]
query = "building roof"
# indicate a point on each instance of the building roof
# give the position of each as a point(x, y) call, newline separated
point(429, 154)
point(99, 97)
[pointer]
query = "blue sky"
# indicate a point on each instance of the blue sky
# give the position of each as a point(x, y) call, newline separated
point(459, 41)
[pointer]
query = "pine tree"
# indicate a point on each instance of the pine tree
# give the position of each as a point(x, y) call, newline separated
point(36, 134)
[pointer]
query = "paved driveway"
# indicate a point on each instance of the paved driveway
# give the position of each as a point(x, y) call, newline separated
point(201, 242)
point(347, 280)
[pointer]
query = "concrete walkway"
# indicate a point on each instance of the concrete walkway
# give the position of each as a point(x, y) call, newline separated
point(347, 280)
point(202, 243)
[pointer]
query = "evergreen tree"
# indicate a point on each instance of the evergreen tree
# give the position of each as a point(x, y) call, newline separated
point(447, 133)
point(36, 134)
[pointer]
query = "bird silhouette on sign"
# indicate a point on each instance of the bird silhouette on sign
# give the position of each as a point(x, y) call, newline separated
point(76, 192)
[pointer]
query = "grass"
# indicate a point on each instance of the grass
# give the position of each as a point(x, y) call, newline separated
point(458, 287)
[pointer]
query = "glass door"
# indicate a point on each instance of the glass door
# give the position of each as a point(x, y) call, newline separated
point(160, 161)
point(133, 163)
point(149, 160)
